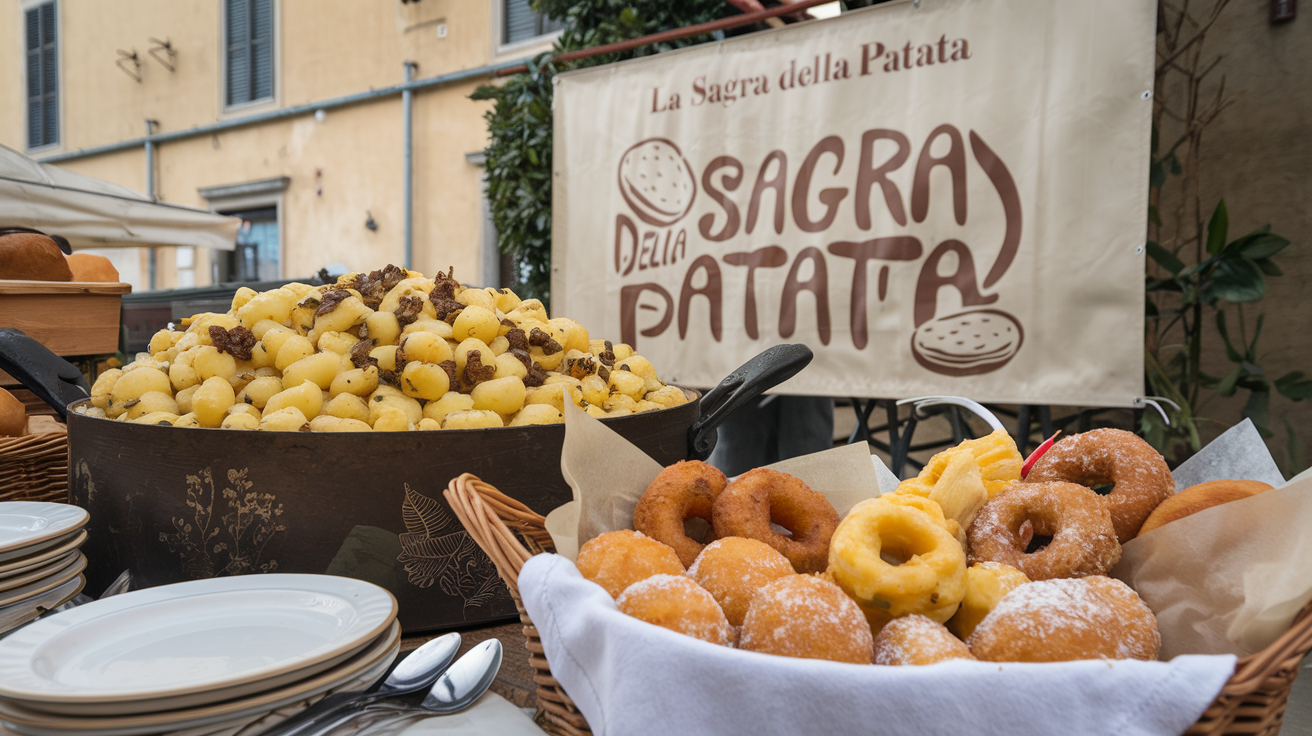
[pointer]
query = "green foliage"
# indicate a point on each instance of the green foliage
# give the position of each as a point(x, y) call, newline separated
point(1234, 274)
point(519, 152)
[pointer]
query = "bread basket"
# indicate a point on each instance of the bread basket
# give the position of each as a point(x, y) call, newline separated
point(1251, 703)
point(34, 467)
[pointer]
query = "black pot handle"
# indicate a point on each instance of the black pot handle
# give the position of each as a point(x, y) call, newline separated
point(55, 380)
point(758, 375)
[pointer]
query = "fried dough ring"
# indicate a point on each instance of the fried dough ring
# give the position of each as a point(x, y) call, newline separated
point(682, 491)
point(758, 497)
point(1142, 479)
point(1083, 539)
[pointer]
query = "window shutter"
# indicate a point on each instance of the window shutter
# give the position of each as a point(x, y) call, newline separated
point(239, 58)
point(262, 49)
point(520, 22)
point(250, 50)
point(41, 48)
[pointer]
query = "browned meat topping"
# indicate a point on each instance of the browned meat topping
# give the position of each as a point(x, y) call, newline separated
point(409, 309)
point(330, 301)
point(375, 285)
point(450, 367)
point(518, 340)
point(360, 354)
point(443, 295)
point(541, 339)
point(475, 371)
point(607, 356)
point(237, 342)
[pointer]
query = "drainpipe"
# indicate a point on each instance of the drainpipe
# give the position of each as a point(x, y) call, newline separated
point(150, 192)
point(408, 163)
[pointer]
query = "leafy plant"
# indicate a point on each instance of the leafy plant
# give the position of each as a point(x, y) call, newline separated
point(519, 154)
point(1202, 275)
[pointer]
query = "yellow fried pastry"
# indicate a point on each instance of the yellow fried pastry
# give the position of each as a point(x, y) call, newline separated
point(986, 583)
point(895, 556)
point(996, 454)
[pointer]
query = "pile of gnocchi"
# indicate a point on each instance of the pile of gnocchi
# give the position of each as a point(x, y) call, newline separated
point(389, 350)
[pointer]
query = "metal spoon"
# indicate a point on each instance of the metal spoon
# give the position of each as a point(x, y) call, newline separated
point(457, 689)
point(414, 673)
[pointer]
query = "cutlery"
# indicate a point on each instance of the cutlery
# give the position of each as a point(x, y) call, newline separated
point(414, 673)
point(457, 689)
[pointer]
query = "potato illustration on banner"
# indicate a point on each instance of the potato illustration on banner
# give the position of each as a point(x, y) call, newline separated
point(657, 182)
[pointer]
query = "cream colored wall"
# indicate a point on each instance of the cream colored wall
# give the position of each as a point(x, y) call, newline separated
point(342, 169)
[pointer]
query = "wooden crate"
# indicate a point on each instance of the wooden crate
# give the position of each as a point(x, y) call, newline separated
point(68, 317)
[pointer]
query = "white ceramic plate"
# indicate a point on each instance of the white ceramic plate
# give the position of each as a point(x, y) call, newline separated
point(11, 617)
point(54, 580)
point(365, 668)
point(26, 523)
point(62, 546)
point(31, 576)
point(217, 639)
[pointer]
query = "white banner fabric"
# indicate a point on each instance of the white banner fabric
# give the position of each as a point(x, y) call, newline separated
point(947, 197)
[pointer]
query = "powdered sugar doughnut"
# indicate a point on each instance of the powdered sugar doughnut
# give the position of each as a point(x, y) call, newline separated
point(1063, 620)
point(807, 616)
point(1083, 540)
point(917, 639)
point(1142, 479)
point(616, 560)
point(734, 570)
point(676, 603)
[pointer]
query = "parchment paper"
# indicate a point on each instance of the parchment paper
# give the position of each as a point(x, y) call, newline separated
point(609, 474)
point(1230, 579)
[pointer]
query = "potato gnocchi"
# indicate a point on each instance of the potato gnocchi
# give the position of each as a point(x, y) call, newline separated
point(386, 351)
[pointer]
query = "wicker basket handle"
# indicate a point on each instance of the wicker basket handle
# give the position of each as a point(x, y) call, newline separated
point(489, 516)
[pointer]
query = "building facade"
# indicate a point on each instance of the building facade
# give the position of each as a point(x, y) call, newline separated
point(291, 114)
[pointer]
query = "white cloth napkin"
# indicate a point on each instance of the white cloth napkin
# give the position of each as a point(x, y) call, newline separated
point(630, 678)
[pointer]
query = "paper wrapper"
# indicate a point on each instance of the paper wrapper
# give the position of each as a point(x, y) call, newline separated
point(609, 474)
point(1229, 579)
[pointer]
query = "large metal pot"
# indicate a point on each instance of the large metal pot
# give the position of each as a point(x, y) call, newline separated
point(171, 504)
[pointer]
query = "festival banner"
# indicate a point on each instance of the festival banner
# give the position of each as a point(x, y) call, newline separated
point(938, 197)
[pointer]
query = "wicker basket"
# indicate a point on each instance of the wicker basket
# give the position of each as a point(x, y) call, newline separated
point(34, 468)
point(1252, 702)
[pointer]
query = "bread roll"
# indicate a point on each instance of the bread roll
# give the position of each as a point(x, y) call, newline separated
point(13, 415)
point(1202, 496)
point(32, 257)
point(88, 267)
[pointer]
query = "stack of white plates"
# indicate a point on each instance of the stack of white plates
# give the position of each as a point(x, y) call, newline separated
point(207, 654)
point(40, 565)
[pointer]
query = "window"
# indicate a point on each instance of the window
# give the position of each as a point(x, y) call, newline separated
point(258, 253)
point(249, 47)
point(185, 261)
point(42, 76)
point(520, 23)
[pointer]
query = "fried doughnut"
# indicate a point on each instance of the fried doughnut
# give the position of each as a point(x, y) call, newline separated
point(1064, 620)
point(734, 569)
point(895, 556)
point(1202, 496)
point(676, 603)
point(1083, 540)
point(806, 616)
point(616, 560)
point(986, 584)
point(682, 491)
point(1102, 456)
point(758, 497)
point(916, 639)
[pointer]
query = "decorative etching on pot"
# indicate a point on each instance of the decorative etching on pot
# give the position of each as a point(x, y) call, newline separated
point(437, 549)
point(231, 544)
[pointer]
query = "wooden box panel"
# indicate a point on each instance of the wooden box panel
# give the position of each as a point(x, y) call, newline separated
point(69, 318)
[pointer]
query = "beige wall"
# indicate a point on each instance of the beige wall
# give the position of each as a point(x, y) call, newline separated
point(341, 170)
point(1258, 156)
